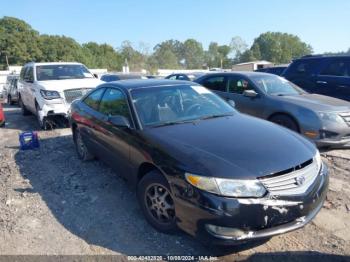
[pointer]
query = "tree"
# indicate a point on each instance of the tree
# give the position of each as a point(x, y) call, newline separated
point(136, 60)
point(174, 51)
point(238, 46)
point(102, 56)
point(217, 56)
point(164, 57)
point(277, 47)
point(193, 54)
point(18, 41)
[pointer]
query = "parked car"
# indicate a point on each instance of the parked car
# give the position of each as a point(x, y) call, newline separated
point(48, 89)
point(4, 86)
point(121, 76)
point(276, 70)
point(324, 120)
point(326, 75)
point(2, 116)
point(12, 91)
point(182, 76)
point(197, 163)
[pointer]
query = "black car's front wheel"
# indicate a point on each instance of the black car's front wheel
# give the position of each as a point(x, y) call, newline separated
point(156, 202)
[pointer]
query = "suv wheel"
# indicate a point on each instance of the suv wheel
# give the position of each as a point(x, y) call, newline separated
point(9, 100)
point(285, 121)
point(83, 152)
point(156, 202)
point(42, 123)
point(24, 110)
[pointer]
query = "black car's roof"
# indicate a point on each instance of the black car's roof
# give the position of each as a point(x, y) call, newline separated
point(141, 83)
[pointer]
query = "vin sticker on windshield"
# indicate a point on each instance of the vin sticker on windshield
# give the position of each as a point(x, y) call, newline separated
point(201, 90)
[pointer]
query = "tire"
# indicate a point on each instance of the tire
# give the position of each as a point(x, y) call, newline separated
point(42, 123)
point(9, 100)
point(24, 110)
point(156, 201)
point(83, 152)
point(286, 121)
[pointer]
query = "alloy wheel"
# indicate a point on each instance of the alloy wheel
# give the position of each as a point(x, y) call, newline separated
point(160, 204)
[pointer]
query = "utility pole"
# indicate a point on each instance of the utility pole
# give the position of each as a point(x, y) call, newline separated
point(7, 63)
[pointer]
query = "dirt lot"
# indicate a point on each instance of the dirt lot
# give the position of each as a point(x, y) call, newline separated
point(53, 204)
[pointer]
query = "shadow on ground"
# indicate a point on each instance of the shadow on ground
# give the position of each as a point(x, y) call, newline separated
point(93, 203)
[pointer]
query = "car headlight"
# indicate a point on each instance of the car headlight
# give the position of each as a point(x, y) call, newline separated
point(332, 117)
point(47, 94)
point(227, 187)
point(318, 160)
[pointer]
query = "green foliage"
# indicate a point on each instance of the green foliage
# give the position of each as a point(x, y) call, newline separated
point(217, 55)
point(21, 44)
point(276, 47)
point(18, 41)
point(102, 56)
point(193, 54)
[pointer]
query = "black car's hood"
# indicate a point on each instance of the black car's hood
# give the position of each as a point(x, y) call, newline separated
point(318, 103)
point(239, 146)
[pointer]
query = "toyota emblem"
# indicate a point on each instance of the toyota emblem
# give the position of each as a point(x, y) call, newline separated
point(300, 180)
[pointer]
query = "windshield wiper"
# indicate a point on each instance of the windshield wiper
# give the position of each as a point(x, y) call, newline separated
point(170, 123)
point(215, 116)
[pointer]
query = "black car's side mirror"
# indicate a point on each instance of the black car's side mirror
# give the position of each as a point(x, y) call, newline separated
point(119, 121)
point(250, 93)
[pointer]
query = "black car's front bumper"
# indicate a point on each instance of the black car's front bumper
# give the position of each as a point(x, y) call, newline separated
point(253, 218)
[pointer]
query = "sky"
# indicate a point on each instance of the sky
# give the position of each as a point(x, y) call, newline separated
point(324, 24)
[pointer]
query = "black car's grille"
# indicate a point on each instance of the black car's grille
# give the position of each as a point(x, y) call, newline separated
point(346, 117)
point(73, 94)
point(295, 181)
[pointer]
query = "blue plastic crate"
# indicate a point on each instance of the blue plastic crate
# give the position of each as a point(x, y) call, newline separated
point(28, 140)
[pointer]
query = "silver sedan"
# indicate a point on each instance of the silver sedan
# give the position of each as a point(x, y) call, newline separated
point(322, 119)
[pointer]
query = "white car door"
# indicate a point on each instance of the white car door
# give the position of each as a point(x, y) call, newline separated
point(29, 89)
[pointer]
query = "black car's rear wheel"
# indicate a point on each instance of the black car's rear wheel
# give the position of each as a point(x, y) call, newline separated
point(285, 121)
point(157, 202)
point(83, 152)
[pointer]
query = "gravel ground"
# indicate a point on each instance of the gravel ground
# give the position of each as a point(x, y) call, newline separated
point(53, 204)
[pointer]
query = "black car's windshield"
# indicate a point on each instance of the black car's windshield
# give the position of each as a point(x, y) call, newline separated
point(165, 105)
point(60, 72)
point(275, 85)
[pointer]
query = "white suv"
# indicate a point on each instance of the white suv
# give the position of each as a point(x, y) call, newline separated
point(48, 89)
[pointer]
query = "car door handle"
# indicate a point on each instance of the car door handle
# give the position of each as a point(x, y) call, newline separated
point(322, 82)
point(342, 86)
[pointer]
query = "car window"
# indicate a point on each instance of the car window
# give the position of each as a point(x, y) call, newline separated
point(303, 67)
point(275, 85)
point(215, 83)
point(28, 75)
point(238, 85)
point(21, 75)
point(158, 105)
point(61, 72)
point(336, 68)
point(172, 77)
point(93, 100)
point(182, 77)
point(114, 103)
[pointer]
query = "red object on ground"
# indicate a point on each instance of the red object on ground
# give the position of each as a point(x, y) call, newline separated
point(2, 116)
